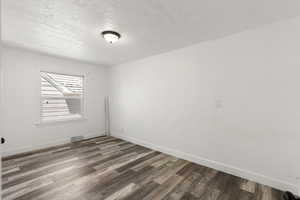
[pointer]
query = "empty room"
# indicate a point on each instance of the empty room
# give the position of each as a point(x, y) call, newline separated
point(150, 100)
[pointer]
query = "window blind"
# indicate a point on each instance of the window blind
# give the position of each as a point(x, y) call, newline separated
point(61, 96)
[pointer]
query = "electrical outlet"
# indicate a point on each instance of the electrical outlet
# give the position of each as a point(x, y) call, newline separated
point(219, 103)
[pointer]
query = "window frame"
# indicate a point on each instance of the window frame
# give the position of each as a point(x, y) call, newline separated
point(82, 104)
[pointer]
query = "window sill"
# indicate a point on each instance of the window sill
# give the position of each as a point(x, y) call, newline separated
point(59, 121)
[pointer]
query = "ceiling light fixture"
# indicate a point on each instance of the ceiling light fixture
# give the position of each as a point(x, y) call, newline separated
point(111, 36)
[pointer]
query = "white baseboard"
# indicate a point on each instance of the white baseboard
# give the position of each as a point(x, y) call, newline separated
point(10, 152)
point(275, 183)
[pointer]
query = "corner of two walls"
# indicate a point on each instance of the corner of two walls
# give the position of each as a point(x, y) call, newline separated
point(230, 104)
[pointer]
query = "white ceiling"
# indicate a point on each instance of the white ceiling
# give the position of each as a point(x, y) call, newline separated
point(71, 28)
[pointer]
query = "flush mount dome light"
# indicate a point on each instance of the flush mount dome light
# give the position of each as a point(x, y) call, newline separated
point(111, 36)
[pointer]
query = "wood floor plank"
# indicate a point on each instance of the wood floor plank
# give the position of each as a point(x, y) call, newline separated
point(164, 189)
point(248, 186)
point(142, 192)
point(71, 176)
point(138, 161)
point(172, 171)
point(108, 168)
point(184, 187)
point(108, 190)
point(122, 193)
point(80, 187)
point(17, 192)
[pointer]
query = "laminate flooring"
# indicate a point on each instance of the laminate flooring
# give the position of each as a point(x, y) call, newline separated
point(109, 168)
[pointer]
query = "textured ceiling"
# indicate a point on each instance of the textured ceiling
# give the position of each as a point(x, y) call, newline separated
point(71, 28)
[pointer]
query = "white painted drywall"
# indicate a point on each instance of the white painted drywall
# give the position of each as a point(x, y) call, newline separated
point(21, 101)
point(232, 103)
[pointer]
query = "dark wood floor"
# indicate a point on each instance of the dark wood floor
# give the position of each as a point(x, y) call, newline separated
point(110, 168)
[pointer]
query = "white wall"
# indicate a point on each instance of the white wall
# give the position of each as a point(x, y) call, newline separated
point(232, 104)
point(21, 100)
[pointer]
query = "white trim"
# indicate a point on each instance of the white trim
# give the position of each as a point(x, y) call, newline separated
point(63, 73)
point(65, 97)
point(49, 144)
point(259, 178)
point(59, 121)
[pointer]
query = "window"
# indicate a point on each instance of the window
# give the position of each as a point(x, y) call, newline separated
point(61, 97)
